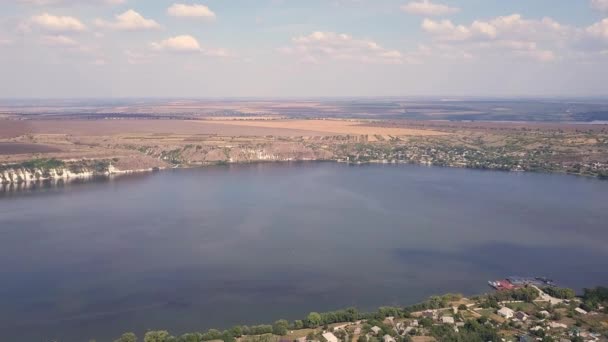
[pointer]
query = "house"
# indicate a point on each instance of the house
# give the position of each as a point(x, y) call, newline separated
point(581, 311)
point(506, 312)
point(330, 337)
point(340, 327)
point(522, 316)
point(555, 325)
point(301, 339)
point(414, 323)
point(429, 314)
point(447, 320)
point(388, 338)
point(544, 313)
point(376, 329)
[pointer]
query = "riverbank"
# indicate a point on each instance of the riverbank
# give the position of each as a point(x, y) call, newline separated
point(145, 144)
point(42, 170)
point(512, 315)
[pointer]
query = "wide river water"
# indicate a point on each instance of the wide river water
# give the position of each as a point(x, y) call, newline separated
point(186, 250)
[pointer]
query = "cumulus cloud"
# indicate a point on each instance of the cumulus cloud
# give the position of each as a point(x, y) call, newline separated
point(537, 39)
point(59, 40)
point(128, 21)
point(600, 5)
point(511, 26)
point(599, 30)
point(179, 44)
point(191, 11)
point(183, 43)
point(54, 23)
point(427, 8)
point(319, 45)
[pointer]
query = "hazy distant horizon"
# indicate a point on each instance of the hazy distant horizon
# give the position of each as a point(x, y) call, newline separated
point(437, 98)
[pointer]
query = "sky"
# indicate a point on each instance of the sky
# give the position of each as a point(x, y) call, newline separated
point(302, 48)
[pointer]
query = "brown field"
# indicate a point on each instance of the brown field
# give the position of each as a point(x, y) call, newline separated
point(338, 127)
point(11, 129)
point(7, 148)
point(287, 128)
point(487, 126)
point(128, 126)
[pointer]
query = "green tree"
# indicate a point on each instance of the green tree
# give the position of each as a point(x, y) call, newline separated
point(298, 324)
point(127, 337)
point(156, 336)
point(280, 327)
point(212, 334)
point(191, 337)
point(227, 336)
point(237, 331)
point(245, 330)
point(313, 320)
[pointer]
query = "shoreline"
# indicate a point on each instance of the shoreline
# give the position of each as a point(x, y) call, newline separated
point(10, 176)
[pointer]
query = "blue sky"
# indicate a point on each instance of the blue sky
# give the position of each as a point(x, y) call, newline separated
point(286, 48)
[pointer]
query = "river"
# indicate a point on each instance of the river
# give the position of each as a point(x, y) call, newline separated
point(186, 250)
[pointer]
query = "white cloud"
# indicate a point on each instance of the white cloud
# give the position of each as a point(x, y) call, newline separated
point(511, 26)
point(54, 23)
point(59, 40)
point(319, 45)
point(179, 44)
point(599, 30)
point(183, 43)
point(128, 21)
point(219, 52)
point(600, 5)
point(536, 39)
point(192, 11)
point(427, 8)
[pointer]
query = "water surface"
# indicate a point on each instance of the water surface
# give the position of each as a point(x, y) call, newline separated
point(187, 250)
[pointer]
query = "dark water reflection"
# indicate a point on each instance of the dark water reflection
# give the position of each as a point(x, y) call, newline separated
point(187, 250)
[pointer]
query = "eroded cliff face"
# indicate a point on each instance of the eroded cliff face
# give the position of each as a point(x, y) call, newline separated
point(157, 157)
point(23, 175)
point(238, 153)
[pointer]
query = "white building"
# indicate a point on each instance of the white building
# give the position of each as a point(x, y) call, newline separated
point(388, 338)
point(447, 320)
point(330, 337)
point(506, 312)
point(556, 325)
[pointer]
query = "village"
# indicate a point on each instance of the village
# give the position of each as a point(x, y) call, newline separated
point(523, 313)
point(545, 318)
